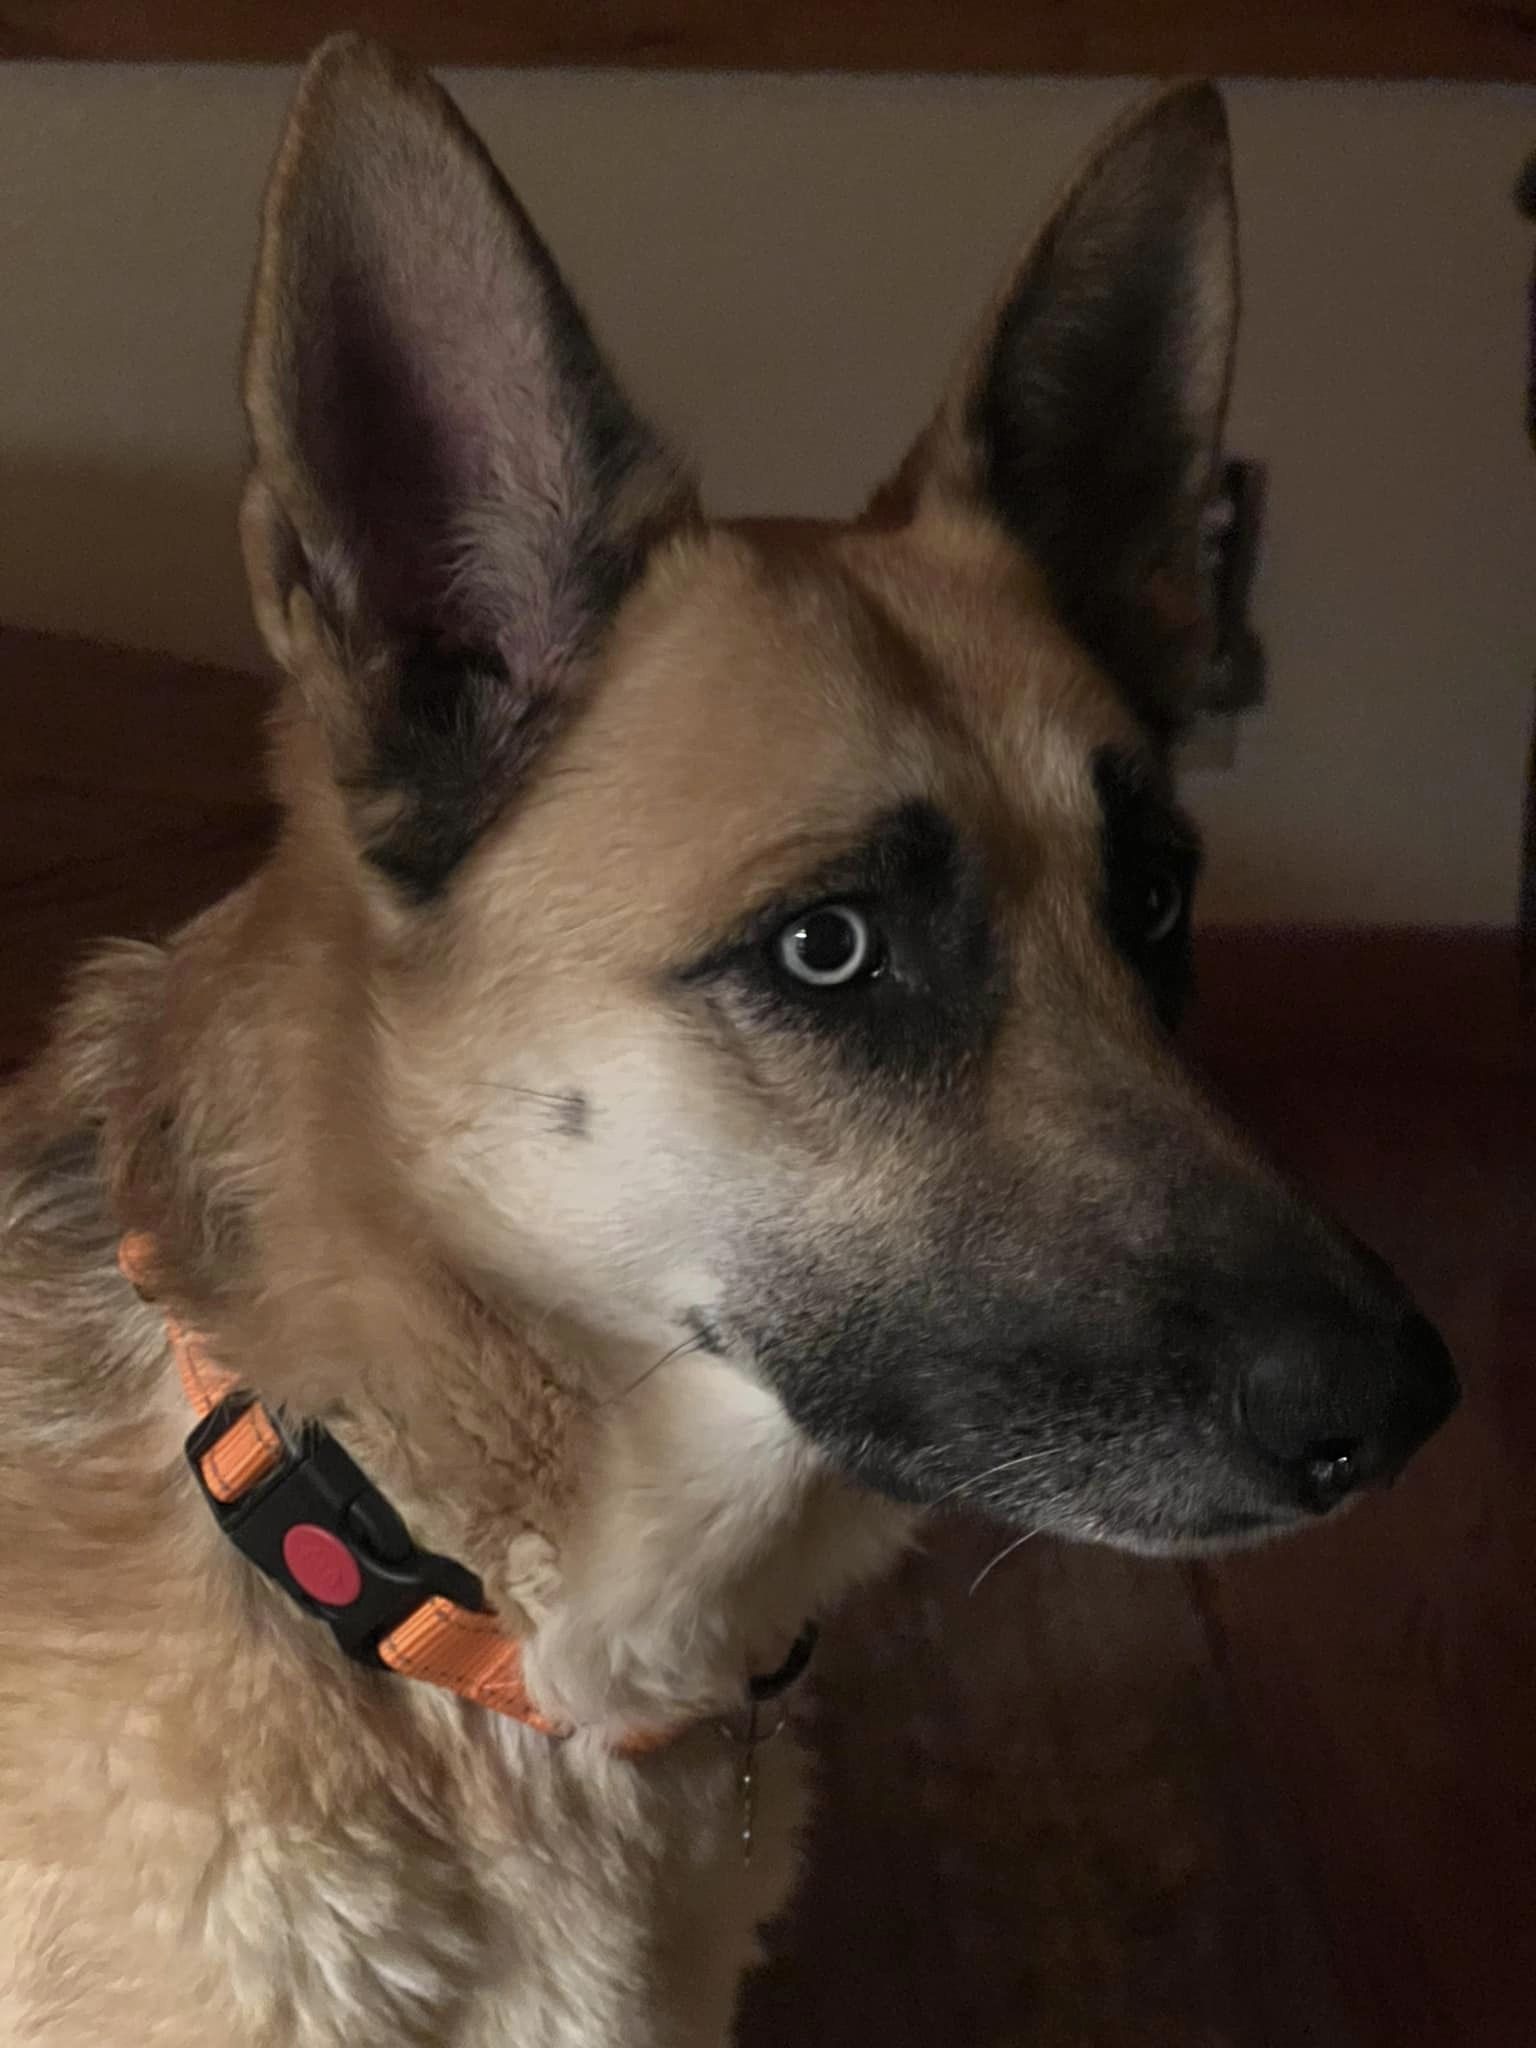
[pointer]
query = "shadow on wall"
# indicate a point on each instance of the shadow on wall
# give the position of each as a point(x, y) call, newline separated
point(141, 557)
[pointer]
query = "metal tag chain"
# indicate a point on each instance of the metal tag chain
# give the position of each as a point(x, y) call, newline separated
point(747, 1783)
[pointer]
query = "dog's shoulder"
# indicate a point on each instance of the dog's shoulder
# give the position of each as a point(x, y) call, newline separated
point(68, 1332)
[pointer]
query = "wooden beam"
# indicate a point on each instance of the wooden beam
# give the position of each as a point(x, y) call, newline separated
point(1466, 39)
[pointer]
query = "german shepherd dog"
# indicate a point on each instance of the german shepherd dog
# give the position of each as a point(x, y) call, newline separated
point(688, 1091)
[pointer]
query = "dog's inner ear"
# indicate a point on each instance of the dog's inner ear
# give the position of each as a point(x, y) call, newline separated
point(444, 464)
point(1087, 416)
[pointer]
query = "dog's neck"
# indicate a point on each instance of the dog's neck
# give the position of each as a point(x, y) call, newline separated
point(652, 1549)
point(707, 1534)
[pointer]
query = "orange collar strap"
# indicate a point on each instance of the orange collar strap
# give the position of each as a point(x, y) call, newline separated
point(309, 1517)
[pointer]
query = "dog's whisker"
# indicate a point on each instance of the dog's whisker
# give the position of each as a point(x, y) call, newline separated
point(992, 1472)
point(992, 1564)
point(697, 1342)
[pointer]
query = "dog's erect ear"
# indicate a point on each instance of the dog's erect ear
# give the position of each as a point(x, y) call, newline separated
point(449, 486)
point(1088, 413)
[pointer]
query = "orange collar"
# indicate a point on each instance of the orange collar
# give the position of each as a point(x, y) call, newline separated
point(309, 1517)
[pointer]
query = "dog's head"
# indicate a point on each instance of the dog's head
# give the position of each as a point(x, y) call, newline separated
point(772, 932)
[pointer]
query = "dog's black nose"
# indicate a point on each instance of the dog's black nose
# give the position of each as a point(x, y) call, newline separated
point(1335, 1407)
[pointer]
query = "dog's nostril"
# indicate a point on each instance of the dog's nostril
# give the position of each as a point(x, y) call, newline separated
point(1334, 1405)
point(1314, 1406)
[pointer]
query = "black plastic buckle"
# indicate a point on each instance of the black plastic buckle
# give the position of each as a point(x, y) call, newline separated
point(318, 1484)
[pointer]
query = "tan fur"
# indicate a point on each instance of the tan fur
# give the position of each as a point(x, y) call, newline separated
point(334, 1122)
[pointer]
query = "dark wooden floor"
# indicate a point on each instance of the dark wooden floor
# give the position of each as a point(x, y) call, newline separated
point(1094, 1803)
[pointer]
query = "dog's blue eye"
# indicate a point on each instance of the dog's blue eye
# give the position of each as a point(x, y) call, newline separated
point(827, 947)
point(1162, 906)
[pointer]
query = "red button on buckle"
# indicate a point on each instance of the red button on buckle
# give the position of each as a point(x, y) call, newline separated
point(322, 1564)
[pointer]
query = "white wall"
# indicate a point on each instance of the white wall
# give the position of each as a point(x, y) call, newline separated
point(782, 266)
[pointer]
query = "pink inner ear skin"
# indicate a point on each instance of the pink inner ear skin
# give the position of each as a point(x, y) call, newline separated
point(431, 379)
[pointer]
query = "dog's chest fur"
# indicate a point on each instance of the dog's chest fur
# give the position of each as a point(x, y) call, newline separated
point(468, 1888)
point(211, 1818)
point(220, 1817)
point(590, 1901)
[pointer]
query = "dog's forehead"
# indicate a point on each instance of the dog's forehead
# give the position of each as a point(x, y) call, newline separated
point(845, 664)
point(976, 609)
point(769, 693)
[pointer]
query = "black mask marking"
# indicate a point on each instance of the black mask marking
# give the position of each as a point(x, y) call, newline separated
point(1151, 863)
point(934, 996)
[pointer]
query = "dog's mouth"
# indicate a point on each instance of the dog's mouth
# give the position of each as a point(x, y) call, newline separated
point(1236, 1525)
point(1149, 1500)
point(1210, 1535)
point(1201, 1531)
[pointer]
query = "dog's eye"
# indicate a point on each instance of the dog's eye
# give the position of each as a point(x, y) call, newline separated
point(827, 947)
point(1162, 905)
